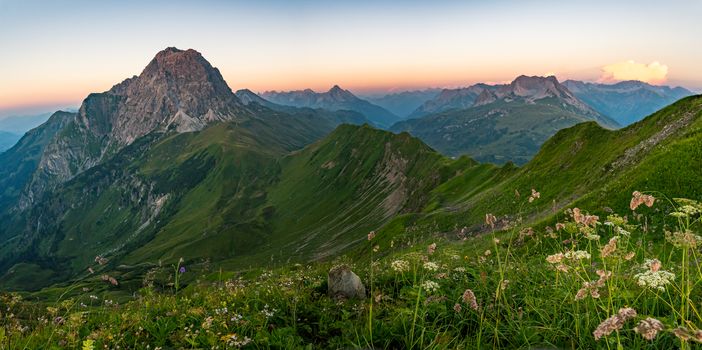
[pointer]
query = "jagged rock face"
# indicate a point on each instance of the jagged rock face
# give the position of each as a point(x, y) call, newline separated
point(178, 90)
point(533, 89)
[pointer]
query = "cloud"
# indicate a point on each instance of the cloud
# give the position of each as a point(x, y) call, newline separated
point(654, 73)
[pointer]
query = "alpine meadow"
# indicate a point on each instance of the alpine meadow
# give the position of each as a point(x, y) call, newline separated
point(350, 175)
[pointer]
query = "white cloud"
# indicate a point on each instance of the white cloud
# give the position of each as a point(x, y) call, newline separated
point(654, 73)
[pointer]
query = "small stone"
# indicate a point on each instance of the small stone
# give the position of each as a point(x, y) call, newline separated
point(344, 284)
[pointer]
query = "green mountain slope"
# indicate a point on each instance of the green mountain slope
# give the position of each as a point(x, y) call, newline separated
point(240, 195)
point(231, 193)
point(498, 132)
point(21, 161)
point(589, 166)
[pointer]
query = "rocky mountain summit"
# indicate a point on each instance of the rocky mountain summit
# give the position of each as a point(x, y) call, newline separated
point(177, 91)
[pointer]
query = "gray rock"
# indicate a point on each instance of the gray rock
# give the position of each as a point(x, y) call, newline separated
point(344, 284)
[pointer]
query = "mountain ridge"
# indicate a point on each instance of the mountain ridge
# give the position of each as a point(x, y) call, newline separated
point(626, 101)
point(334, 99)
point(504, 122)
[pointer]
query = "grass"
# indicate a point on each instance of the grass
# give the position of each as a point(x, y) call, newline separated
point(526, 285)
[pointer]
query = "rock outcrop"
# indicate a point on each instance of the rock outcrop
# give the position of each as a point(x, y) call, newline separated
point(344, 284)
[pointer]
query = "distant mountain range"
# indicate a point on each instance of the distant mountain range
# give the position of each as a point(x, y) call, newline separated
point(403, 103)
point(628, 101)
point(335, 99)
point(7, 140)
point(504, 122)
point(21, 124)
point(625, 102)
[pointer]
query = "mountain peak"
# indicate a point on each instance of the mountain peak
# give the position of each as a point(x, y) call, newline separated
point(175, 66)
point(337, 93)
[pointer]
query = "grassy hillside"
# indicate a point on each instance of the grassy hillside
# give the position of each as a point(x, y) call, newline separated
point(519, 280)
point(498, 132)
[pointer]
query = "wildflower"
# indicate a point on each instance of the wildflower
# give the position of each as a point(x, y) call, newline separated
point(430, 286)
point(490, 220)
point(549, 232)
point(371, 235)
point(654, 277)
point(487, 252)
point(559, 226)
point(555, 258)
point(431, 248)
point(88, 344)
point(100, 260)
point(400, 266)
point(629, 256)
point(683, 239)
point(526, 232)
point(577, 216)
point(589, 233)
point(609, 248)
point(91, 271)
point(562, 268)
point(457, 307)
point(685, 334)
point(376, 248)
point(470, 300)
point(460, 269)
point(430, 266)
point(614, 323)
point(577, 255)
point(616, 220)
point(639, 198)
point(621, 231)
point(649, 328)
point(110, 280)
point(181, 269)
point(534, 195)
point(652, 264)
point(234, 340)
point(593, 288)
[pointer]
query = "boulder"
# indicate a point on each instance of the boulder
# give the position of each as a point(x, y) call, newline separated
point(344, 284)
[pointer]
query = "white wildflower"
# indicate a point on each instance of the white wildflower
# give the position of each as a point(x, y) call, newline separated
point(430, 286)
point(430, 266)
point(400, 266)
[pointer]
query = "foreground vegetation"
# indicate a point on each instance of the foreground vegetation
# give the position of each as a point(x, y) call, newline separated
point(620, 281)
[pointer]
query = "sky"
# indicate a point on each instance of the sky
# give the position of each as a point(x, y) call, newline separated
point(54, 53)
